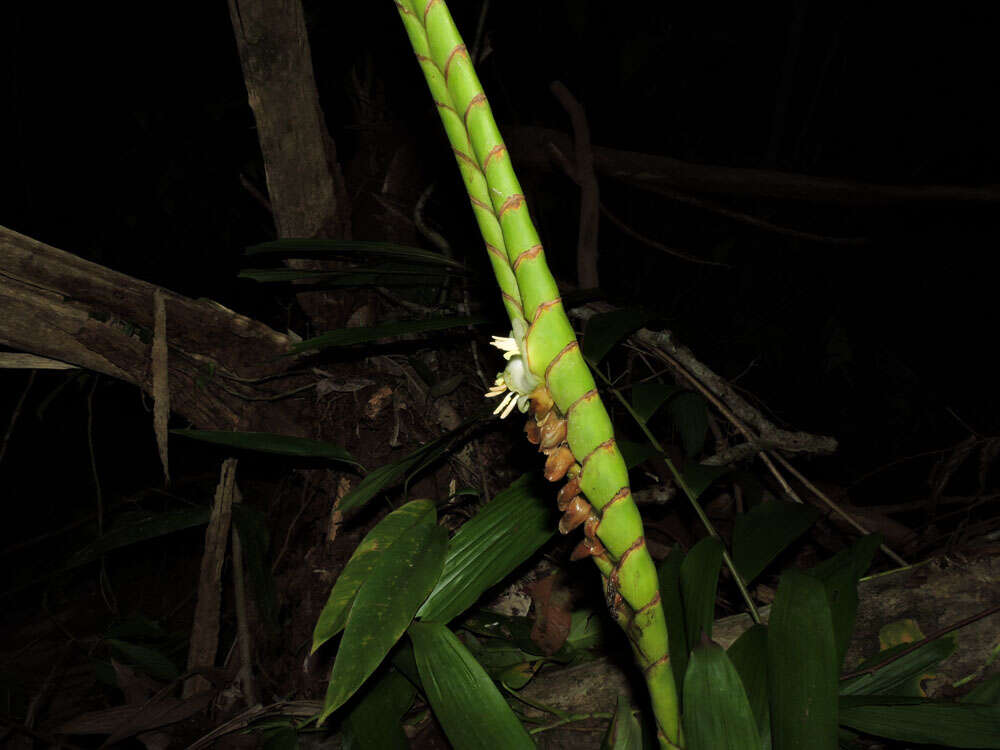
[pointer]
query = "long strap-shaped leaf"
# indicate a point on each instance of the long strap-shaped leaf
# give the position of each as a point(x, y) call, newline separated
point(547, 371)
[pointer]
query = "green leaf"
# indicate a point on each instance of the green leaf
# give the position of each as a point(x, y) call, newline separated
point(139, 528)
point(465, 701)
point(136, 627)
point(718, 715)
point(586, 631)
point(624, 732)
point(689, 414)
point(603, 331)
point(399, 525)
point(354, 277)
point(152, 661)
point(269, 442)
point(489, 624)
point(389, 474)
point(840, 575)
point(404, 663)
point(669, 573)
point(280, 738)
point(350, 336)
point(647, 398)
point(761, 534)
point(373, 723)
point(897, 677)
point(699, 581)
point(498, 655)
point(923, 721)
point(986, 692)
point(385, 604)
point(635, 453)
point(501, 536)
point(802, 666)
point(749, 656)
point(518, 675)
point(288, 247)
point(698, 478)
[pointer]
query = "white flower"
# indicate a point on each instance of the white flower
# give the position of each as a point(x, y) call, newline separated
point(516, 381)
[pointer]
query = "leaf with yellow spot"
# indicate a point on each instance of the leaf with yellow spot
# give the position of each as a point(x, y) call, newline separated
point(401, 578)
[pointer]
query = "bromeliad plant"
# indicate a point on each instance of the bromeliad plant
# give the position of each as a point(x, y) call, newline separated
point(546, 373)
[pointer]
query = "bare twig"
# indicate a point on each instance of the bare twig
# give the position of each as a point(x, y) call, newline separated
point(923, 642)
point(560, 158)
point(739, 413)
point(15, 414)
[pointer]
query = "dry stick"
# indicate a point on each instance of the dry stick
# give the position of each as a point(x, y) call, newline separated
point(245, 675)
point(691, 365)
point(832, 505)
point(16, 414)
point(105, 585)
point(656, 245)
point(570, 171)
point(923, 642)
point(161, 379)
point(765, 456)
point(478, 38)
point(586, 248)
point(25, 361)
point(303, 709)
point(205, 630)
point(763, 224)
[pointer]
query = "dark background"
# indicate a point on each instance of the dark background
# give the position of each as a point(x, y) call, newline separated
point(127, 130)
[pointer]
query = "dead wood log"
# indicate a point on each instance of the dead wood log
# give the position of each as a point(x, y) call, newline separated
point(57, 305)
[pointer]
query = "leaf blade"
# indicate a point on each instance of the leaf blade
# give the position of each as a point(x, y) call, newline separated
point(362, 563)
point(270, 442)
point(603, 331)
point(718, 714)
point(502, 535)
point(351, 336)
point(923, 721)
point(761, 534)
point(699, 583)
point(459, 689)
point(802, 666)
point(384, 607)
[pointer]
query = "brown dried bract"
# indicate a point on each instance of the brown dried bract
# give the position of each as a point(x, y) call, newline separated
point(553, 432)
point(578, 511)
point(531, 430)
point(541, 401)
point(567, 492)
point(558, 463)
point(587, 548)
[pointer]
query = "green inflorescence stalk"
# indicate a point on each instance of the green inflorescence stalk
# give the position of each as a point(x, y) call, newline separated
point(547, 372)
